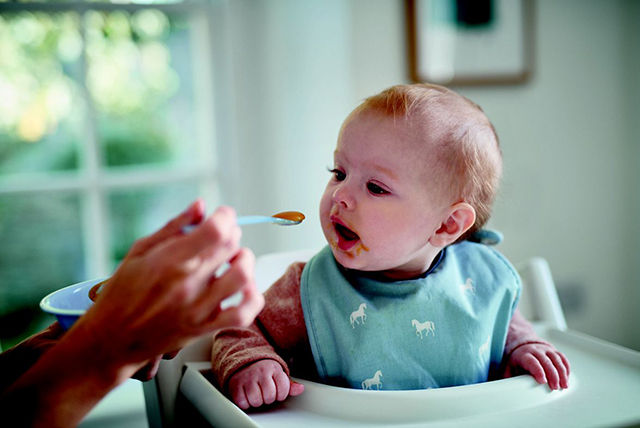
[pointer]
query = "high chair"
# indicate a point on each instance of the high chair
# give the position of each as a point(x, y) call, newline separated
point(181, 395)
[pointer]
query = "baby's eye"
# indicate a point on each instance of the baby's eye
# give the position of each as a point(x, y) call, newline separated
point(337, 174)
point(375, 189)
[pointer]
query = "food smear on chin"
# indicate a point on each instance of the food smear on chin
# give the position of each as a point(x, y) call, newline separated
point(334, 245)
point(351, 252)
point(360, 248)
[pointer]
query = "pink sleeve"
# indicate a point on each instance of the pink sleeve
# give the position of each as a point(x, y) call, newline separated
point(520, 333)
point(278, 331)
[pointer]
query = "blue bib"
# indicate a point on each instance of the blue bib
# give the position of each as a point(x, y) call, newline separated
point(447, 328)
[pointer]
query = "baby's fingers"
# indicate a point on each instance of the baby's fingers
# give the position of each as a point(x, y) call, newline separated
point(553, 378)
point(508, 372)
point(270, 390)
point(561, 367)
point(533, 365)
point(296, 389)
point(566, 365)
point(239, 396)
point(281, 382)
point(248, 395)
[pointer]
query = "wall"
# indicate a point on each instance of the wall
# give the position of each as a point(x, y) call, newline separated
point(569, 135)
point(632, 77)
point(291, 68)
point(569, 178)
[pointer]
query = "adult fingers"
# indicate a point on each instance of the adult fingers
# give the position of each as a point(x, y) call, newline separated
point(149, 370)
point(242, 314)
point(202, 251)
point(193, 214)
point(170, 355)
point(238, 316)
point(238, 277)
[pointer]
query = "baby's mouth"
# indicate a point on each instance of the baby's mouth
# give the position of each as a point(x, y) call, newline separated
point(347, 238)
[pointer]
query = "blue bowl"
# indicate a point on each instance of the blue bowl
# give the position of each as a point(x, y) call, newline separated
point(69, 303)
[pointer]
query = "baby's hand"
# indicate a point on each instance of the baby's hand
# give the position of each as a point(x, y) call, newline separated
point(263, 382)
point(544, 362)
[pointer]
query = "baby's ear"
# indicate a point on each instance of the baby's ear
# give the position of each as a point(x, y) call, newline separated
point(460, 218)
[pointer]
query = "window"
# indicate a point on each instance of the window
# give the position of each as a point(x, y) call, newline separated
point(106, 131)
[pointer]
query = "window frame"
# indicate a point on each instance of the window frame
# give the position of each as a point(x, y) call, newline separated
point(92, 181)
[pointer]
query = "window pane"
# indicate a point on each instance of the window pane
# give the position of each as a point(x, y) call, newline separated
point(139, 77)
point(139, 212)
point(42, 251)
point(41, 108)
point(144, 2)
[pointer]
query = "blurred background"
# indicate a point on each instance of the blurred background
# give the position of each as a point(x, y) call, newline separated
point(115, 115)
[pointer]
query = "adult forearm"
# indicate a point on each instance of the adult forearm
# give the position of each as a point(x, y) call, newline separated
point(65, 383)
point(19, 359)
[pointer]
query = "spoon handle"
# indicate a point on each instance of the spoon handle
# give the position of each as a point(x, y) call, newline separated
point(256, 219)
point(253, 219)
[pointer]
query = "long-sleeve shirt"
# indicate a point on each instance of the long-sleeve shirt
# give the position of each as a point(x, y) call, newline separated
point(279, 333)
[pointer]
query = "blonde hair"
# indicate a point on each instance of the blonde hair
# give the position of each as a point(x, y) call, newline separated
point(469, 156)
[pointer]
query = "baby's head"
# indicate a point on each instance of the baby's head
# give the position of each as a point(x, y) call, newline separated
point(468, 161)
point(416, 169)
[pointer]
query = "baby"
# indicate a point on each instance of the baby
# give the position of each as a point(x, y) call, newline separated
point(407, 294)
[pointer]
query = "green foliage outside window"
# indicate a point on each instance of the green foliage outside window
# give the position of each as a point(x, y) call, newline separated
point(64, 77)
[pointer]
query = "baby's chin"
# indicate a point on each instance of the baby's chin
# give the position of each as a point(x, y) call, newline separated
point(356, 257)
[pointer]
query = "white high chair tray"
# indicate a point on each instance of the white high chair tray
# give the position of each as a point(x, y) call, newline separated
point(604, 391)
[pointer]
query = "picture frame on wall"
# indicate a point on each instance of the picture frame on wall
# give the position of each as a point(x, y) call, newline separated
point(470, 42)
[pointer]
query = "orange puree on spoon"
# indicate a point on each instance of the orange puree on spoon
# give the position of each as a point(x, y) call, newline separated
point(290, 215)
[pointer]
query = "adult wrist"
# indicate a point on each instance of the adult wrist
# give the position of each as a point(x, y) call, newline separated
point(87, 345)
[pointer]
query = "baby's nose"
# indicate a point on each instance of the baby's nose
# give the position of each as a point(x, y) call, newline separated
point(343, 196)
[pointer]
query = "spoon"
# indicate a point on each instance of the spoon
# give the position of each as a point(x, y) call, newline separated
point(285, 218)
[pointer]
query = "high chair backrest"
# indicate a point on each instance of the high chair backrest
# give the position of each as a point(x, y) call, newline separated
point(270, 267)
point(538, 303)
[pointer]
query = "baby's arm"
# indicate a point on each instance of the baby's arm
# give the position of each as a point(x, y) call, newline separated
point(525, 352)
point(245, 362)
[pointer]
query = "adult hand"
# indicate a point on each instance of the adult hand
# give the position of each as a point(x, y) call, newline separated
point(166, 291)
point(150, 369)
point(164, 294)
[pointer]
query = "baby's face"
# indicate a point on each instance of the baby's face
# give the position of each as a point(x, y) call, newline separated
point(381, 206)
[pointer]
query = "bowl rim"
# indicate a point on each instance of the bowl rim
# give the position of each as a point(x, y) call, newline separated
point(45, 303)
